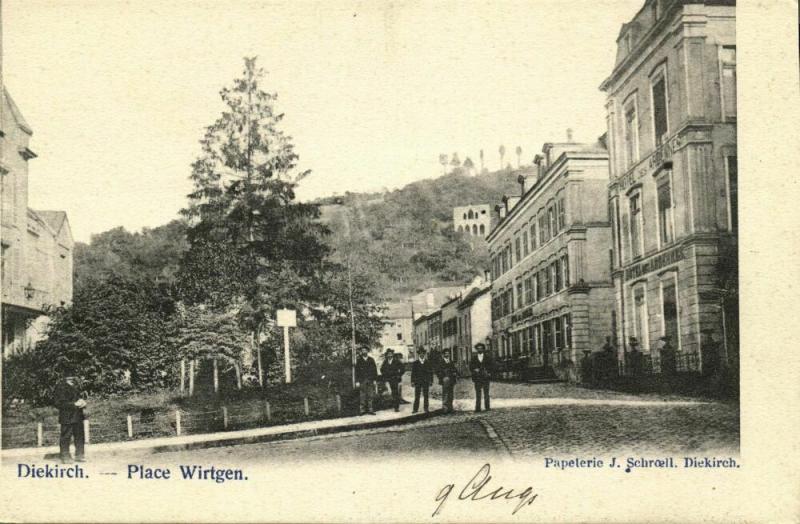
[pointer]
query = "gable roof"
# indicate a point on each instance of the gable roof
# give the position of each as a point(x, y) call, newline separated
point(16, 113)
point(54, 219)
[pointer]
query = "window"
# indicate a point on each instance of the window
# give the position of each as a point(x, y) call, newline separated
point(636, 225)
point(558, 331)
point(525, 243)
point(509, 257)
point(658, 91)
point(482, 229)
point(399, 336)
point(640, 316)
point(551, 218)
point(562, 215)
point(518, 249)
point(631, 131)
point(565, 269)
point(543, 235)
point(556, 268)
point(533, 235)
point(528, 290)
point(548, 281)
point(733, 192)
point(567, 319)
point(665, 223)
point(669, 303)
point(520, 296)
point(537, 284)
point(728, 62)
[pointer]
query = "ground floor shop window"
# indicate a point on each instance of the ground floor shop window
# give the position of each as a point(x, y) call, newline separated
point(640, 316)
point(669, 303)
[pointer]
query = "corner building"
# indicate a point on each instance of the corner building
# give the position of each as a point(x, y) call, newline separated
point(551, 293)
point(671, 115)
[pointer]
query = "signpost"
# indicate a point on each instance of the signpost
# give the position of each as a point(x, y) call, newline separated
point(287, 318)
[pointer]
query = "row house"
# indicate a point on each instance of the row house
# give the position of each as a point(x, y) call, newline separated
point(551, 292)
point(671, 118)
point(36, 259)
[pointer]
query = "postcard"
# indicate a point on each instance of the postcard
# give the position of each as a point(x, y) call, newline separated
point(404, 261)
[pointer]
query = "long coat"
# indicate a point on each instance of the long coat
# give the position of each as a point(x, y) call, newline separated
point(64, 398)
point(448, 370)
point(481, 371)
point(422, 373)
point(366, 369)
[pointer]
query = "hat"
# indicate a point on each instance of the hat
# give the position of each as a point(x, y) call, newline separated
point(480, 345)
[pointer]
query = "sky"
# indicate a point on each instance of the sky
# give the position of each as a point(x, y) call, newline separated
point(119, 93)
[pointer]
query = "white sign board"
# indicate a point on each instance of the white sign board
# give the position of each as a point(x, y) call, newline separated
point(287, 318)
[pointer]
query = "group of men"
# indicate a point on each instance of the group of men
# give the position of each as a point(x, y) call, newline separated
point(423, 371)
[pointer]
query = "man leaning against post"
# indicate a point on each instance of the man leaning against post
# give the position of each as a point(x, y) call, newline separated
point(481, 368)
point(366, 374)
point(421, 379)
point(68, 397)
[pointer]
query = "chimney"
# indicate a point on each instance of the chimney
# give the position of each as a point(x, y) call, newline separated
point(429, 300)
point(538, 161)
point(521, 182)
point(569, 134)
point(510, 202)
point(487, 275)
point(500, 210)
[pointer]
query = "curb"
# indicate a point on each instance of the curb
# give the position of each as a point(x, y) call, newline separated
point(292, 435)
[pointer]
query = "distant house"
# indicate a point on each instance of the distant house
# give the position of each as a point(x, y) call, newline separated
point(36, 245)
point(398, 332)
point(473, 220)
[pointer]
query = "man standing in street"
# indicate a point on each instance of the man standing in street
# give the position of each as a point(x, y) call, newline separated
point(68, 397)
point(366, 374)
point(481, 368)
point(392, 371)
point(447, 378)
point(421, 379)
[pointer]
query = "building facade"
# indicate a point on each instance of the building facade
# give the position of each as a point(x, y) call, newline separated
point(551, 292)
point(474, 323)
point(671, 115)
point(450, 325)
point(473, 220)
point(36, 245)
point(398, 330)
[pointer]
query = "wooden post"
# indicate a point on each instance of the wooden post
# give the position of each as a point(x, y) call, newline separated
point(183, 376)
point(178, 422)
point(338, 403)
point(258, 357)
point(39, 435)
point(305, 405)
point(86, 430)
point(287, 364)
point(269, 412)
point(238, 375)
point(216, 377)
point(224, 417)
point(191, 377)
point(130, 427)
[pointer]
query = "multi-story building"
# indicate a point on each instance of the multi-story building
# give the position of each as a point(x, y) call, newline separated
point(474, 220)
point(474, 322)
point(551, 284)
point(450, 324)
point(398, 331)
point(671, 113)
point(36, 245)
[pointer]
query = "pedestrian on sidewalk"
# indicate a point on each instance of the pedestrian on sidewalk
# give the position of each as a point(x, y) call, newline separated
point(421, 379)
point(481, 368)
point(448, 375)
point(399, 359)
point(366, 374)
point(70, 400)
point(392, 372)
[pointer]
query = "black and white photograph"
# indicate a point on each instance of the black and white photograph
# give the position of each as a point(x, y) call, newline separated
point(383, 261)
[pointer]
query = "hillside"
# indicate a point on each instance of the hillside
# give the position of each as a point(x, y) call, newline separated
point(406, 237)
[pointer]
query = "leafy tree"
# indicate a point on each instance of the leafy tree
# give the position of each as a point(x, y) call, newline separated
point(443, 161)
point(502, 152)
point(469, 165)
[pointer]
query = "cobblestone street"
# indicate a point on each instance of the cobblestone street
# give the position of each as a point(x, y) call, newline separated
point(570, 420)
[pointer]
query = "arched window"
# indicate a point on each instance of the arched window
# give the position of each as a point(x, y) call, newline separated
point(483, 230)
point(460, 229)
point(474, 229)
point(470, 214)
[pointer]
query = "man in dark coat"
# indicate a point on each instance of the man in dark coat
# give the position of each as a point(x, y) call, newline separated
point(421, 379)
point(392, 371)
point(366, 374)
point(447, 378)
point(68, 398)
point(481, 368)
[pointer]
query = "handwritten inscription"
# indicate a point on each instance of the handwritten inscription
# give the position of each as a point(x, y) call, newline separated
point(478, 489)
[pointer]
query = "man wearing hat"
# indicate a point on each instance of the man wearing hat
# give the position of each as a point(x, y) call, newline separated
point(366, 374)
point(68, 397)
point(481, 368)
point(447, 378)
point(391, 372)
point(421, 379)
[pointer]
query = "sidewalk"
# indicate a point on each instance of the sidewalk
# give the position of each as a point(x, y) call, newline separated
point(229, 438)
